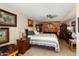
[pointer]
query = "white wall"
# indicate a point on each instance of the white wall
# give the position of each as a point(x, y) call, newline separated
point(71, 17)
point(21, 24)
point(77, 13)
point(71, 14)
point(68, 22)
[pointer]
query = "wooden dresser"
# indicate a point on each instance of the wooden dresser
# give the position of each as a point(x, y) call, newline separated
point(23, 45)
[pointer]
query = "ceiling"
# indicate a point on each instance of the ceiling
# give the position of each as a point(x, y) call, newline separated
point(38, 11)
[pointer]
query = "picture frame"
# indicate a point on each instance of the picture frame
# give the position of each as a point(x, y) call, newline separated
point(7, 18)
point(73, 23)
point(78, 24)
point(30, 23)
point(4, 35)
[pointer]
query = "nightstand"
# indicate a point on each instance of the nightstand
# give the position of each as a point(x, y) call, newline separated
point(23, 45)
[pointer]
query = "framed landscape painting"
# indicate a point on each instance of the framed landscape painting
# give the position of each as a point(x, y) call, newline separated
point(78, 24)
point(4, 35)
point(7, 18)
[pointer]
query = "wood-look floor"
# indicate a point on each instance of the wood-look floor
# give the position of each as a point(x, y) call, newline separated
point(65, 51)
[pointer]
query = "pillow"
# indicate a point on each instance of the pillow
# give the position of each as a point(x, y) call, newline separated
point(36, 32)
point(73, 35)
point(30, 33)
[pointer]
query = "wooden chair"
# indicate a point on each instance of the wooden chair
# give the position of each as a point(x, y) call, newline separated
point(72, 42)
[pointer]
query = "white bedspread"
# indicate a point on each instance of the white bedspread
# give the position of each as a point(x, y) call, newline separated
point(46, 40)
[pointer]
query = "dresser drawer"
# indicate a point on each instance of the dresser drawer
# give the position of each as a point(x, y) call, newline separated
point(23, 45)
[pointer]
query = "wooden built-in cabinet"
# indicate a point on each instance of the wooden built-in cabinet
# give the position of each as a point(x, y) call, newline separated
point(51, 26)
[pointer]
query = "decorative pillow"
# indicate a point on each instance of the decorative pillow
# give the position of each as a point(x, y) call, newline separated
point(30, 33)
point(73, 35)
point(36, 32)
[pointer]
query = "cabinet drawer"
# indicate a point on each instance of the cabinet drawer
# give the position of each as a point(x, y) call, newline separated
point(23, 45)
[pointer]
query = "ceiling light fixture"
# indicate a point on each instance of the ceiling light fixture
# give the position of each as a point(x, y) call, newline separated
point(49, 16)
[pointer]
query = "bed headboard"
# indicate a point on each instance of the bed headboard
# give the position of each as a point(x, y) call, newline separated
point(50, 32)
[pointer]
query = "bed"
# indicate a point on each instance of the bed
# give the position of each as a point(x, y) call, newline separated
point(45, 40)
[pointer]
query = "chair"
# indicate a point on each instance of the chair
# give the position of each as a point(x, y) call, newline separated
point(72, 42)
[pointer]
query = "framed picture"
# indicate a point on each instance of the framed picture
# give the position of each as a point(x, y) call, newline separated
point(73, 23)
point(30, 23)
point(78, 24)
point(7, 18)
point(4, 35)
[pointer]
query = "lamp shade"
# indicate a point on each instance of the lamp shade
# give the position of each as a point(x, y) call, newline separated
point(70, 28)
point(22, 31)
